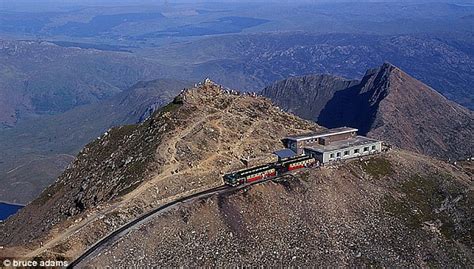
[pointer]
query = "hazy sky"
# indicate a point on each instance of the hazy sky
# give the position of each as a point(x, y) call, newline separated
point(36, 5)
point(195, 1)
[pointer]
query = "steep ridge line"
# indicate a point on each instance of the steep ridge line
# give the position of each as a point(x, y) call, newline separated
point(387, 104)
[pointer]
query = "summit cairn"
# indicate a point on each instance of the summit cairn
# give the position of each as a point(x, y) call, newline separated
point(209, 82)
point(206, 82)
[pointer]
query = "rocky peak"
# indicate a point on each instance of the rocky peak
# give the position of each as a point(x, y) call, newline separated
point(385, 68)
point(386, 103)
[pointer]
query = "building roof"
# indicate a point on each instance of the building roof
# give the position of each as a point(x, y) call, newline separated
point(247, 171)
point(343, 144)
point(284, 153)
point(328, 132)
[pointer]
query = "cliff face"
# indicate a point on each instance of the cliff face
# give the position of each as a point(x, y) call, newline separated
point(391, 105)
point(306, 96)
point(431, 124)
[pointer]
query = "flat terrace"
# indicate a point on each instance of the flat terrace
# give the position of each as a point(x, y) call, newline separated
point(343, 144)
point(329, 132)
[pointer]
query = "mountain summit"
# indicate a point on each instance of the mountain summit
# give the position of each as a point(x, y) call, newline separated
point(389, 104)
point(182, 148)
point(391, 209)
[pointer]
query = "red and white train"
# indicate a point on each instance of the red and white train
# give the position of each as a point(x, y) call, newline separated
point(268, 170)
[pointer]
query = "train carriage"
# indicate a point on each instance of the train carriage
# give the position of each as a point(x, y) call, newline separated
point(250, 175)
point(298, 163)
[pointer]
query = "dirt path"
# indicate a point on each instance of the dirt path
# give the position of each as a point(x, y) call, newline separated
point(169, 150)
point(235, 147)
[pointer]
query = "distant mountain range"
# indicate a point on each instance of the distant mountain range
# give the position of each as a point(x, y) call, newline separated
point(46, 89)
point(252, 62)
point(387, 104)
point(39, 78)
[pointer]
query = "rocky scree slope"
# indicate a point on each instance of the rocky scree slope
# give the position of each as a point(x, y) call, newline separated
point(387, 104)
point(183, 148)
point(398, 209)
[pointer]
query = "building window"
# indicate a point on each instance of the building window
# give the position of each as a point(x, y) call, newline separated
point(332, 155)
point(366, 149)
point(356, 151)
point(338, 154)
point(373, 147)
point(346, 153)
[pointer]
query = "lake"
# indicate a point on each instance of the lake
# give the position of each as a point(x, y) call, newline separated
point(7, 210)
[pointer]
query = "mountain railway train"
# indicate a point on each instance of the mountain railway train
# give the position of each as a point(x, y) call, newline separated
point(268, 170)
point(298, 162)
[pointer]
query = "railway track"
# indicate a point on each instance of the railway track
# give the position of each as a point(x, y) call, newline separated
point(110, 238)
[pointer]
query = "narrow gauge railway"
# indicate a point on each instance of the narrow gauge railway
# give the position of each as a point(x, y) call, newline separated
point(106, 241)
point(268, 170)
point(238, 180)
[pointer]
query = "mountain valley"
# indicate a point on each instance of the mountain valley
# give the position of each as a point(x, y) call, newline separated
point(41, 78)
point(37, 151)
